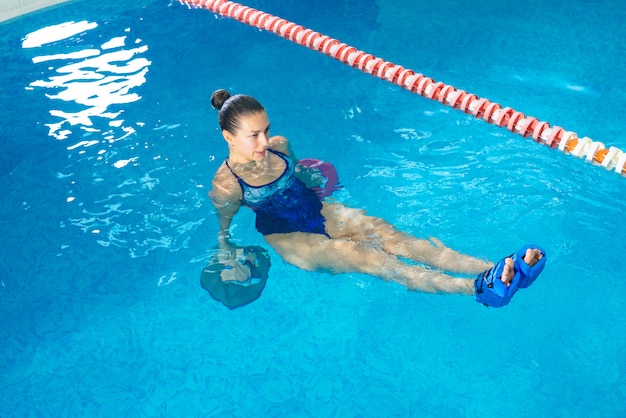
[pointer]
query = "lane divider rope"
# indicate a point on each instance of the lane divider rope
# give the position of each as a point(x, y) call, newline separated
point(542, 132)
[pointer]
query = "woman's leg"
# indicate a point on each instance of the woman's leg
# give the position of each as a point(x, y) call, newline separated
point(349, 223)
point(316, 252)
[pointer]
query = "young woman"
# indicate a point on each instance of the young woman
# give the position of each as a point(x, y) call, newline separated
point(261, 172)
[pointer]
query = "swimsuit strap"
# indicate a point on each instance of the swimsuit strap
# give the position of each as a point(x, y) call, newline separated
point(231, 170)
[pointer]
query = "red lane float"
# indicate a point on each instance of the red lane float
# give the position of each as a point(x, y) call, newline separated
point(516, 122)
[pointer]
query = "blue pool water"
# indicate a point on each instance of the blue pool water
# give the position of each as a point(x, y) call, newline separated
point(108, 147)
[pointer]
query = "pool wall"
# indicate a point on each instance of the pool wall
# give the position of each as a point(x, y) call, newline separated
point(10, 9)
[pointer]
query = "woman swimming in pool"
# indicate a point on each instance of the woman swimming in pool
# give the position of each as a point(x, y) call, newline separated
point(261, 172)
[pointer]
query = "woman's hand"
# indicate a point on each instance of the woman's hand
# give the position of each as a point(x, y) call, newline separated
point(311, 177)
point(227, 251)
point(235, 271)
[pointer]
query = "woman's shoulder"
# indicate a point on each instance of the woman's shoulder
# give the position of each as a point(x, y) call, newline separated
point(224, 176)
point(225, 184)
point(280, 144)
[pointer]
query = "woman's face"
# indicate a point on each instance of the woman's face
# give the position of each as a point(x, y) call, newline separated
point(249, 142)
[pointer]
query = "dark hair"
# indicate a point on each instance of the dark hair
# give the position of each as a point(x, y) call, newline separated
point(231, 108)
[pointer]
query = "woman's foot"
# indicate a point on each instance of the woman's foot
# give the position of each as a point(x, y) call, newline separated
point(532, 257)
point(495, 287)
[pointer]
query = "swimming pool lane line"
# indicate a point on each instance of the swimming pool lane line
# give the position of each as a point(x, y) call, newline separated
point(568, 142)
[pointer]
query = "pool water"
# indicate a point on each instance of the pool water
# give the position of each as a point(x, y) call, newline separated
point(108, 148)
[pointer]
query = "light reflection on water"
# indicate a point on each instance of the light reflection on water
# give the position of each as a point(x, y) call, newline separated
point(96, 79)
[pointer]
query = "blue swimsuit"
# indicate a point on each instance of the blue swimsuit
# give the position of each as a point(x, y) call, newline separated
point(284, 205)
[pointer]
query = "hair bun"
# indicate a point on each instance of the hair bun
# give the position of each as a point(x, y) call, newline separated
point(218, 98)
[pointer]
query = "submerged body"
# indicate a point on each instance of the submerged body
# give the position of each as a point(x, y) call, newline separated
point(262, 173)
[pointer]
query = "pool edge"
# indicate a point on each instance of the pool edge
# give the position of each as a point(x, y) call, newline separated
point(15, 9)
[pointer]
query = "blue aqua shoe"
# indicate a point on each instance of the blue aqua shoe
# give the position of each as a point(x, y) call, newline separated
point(491, 291)
point(528, 273)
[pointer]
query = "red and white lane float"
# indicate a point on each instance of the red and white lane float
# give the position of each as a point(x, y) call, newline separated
point(517, 122)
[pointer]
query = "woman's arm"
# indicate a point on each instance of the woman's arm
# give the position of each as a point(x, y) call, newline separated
point(226, 198)
point(311, 177)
